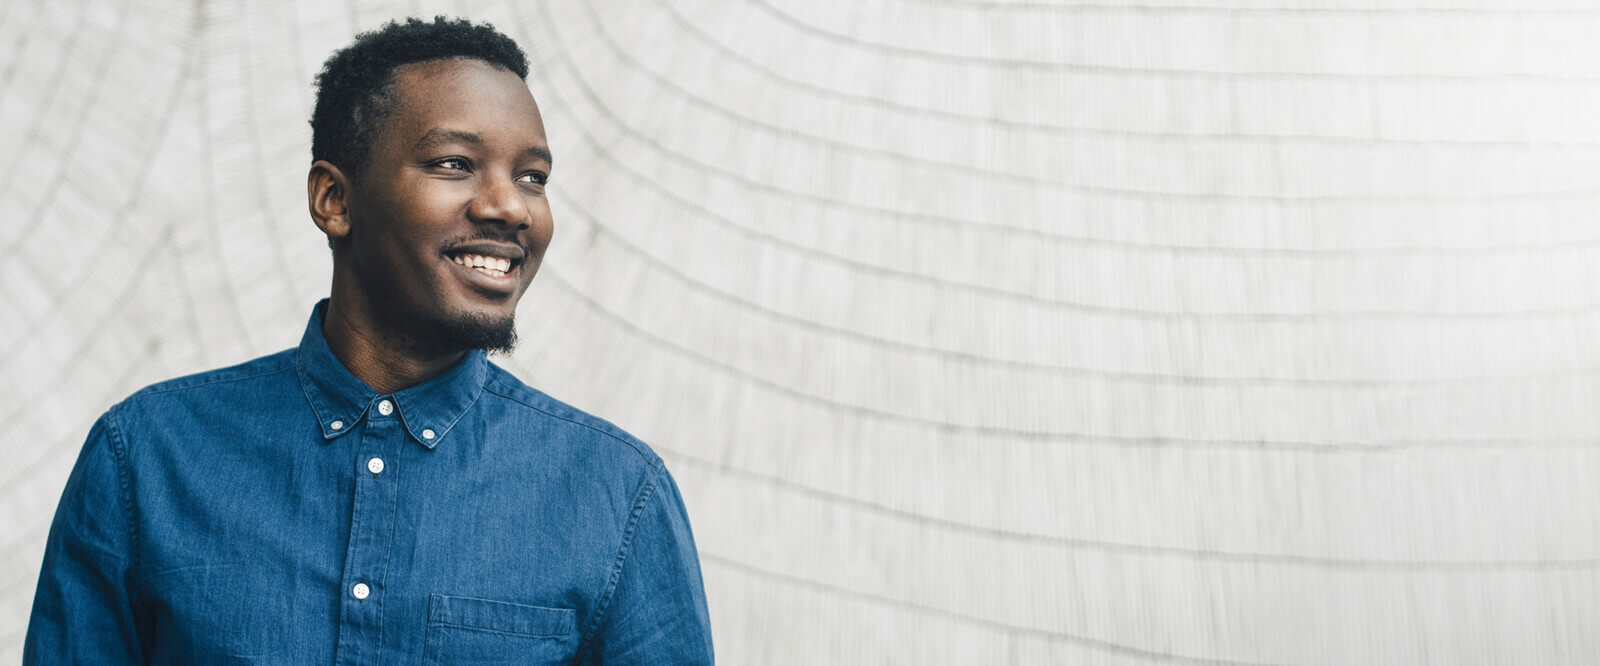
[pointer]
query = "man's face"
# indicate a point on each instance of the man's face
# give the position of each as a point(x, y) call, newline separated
point(448, 217)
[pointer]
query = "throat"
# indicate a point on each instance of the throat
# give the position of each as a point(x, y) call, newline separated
point(387, 358)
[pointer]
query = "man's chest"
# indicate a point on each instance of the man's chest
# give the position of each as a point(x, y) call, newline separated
point(371, 548)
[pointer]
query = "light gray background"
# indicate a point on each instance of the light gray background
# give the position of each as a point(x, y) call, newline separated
point(1198, 331)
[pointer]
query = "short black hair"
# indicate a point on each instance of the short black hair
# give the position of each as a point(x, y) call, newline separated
point(356, 87)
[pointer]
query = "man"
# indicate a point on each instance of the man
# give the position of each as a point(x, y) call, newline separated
point(383, 493)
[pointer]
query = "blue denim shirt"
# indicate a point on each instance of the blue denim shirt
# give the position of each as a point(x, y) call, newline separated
point(283, 512)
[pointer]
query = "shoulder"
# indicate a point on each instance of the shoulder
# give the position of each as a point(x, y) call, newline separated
point(240, 376)
point(176, 416)
point(592, 430)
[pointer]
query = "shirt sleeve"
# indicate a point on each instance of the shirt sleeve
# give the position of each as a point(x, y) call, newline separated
point(656, 611)
point(82, 610)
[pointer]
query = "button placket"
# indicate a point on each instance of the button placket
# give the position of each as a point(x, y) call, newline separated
point(372, 525)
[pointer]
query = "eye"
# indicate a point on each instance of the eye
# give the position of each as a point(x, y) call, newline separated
point(454, 164)
point(534, 177)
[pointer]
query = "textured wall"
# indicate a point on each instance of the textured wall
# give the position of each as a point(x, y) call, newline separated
point(1196, 332)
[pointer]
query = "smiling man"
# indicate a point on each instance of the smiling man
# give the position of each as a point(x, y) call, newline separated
point(383, 492)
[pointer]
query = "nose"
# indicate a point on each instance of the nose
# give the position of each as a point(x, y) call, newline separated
point(498, 200)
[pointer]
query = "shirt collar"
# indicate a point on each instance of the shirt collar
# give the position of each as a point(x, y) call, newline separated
point(429, 410)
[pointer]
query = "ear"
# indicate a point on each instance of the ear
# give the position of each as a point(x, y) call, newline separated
point(327, 193)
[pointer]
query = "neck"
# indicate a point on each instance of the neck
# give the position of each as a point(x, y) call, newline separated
point(384, 358)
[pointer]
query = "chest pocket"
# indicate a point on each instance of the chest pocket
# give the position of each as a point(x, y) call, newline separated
point(465, 630)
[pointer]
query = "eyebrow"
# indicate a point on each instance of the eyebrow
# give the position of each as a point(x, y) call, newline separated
point(439, 137)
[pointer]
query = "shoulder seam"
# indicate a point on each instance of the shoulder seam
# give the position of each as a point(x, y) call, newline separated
point(647, 492)
point(119, 450)
point(655, 461)
point(158, 388)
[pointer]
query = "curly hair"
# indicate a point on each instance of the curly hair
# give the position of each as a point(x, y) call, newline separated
point(356, 88)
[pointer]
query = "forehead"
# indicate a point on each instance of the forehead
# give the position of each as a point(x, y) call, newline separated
point(466, 95)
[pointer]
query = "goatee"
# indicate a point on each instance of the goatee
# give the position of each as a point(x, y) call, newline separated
point(476, 331)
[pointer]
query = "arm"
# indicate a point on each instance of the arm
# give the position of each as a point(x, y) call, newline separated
point(82, 610)
point(655, 610)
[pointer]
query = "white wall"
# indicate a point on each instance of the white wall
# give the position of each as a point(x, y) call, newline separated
point(1230, 332)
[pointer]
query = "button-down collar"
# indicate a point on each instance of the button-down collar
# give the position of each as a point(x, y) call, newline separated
point(339, 399)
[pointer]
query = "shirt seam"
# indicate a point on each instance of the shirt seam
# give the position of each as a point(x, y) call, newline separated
point(502, 632)
point(153, 390)
point(624, 549)
point(655, 462)
point(119, 451)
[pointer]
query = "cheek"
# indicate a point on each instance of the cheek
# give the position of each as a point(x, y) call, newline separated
point(544, 226)
point(396, 253)
point(387, 262)
point(421, 222)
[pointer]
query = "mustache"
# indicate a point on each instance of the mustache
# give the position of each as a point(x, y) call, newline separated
point(483, 235)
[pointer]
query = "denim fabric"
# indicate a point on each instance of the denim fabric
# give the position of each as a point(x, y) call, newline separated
point(229, 518)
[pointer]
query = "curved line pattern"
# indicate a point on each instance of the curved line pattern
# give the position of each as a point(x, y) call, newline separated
point(695, 334)
point(1043, 437)
point(122, 211)
point(598, 228)
point(1297, 12)
point(60, 304)
point(1077, 188)
point(191, 49)
point(213, 232)
point(54, 89)
point(14, 58)
point(119, 215)
point(286, 277)
point(1096, 644)
point(748, 183)
point(53, 383)
point(1017, 63)
point(601, 148)
point(784, 133)
point(688, 27)
point(1138, 549)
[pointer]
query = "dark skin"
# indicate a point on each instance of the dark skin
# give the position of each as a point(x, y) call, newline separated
point(454, 176)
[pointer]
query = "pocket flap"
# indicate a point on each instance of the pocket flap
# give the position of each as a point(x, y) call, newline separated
point(501, 616)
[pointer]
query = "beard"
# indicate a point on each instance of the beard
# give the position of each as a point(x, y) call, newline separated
point(495, 336)
point(433, 333)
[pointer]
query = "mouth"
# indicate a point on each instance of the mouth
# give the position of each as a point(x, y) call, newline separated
point(493, 265)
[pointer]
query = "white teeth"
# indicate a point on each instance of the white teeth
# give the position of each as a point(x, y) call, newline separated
point(495, 266)
point(485, 264)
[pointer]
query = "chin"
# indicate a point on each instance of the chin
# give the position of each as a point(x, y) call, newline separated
point(491, 332)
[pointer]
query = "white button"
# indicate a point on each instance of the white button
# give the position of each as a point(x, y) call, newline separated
point(427, 433)
point(386, 408)
point(375, 465)
point(337, 425)
point(360, 591)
